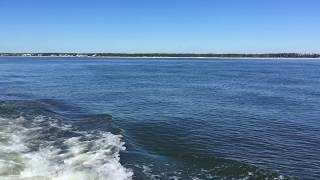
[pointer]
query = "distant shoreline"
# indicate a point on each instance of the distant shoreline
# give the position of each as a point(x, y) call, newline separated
point(212, 58)
point(168, 56)
point(142, 57)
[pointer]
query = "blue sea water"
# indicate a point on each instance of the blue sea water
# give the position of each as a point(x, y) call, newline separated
point(96, 118)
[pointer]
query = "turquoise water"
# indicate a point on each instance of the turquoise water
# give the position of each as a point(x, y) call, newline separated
point(79, 118)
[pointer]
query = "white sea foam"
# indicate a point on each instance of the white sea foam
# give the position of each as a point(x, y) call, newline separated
point(24, 155)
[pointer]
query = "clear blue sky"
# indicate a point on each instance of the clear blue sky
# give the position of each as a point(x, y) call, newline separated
point(197, 26)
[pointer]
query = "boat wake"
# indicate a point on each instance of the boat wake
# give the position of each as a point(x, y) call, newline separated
point(36, 146)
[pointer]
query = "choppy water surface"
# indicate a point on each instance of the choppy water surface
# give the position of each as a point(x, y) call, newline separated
point(99, 119)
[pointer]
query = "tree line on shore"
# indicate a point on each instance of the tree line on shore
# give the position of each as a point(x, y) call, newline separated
point(266, 55)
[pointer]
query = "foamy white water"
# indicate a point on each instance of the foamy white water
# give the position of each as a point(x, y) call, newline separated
point(27, 153)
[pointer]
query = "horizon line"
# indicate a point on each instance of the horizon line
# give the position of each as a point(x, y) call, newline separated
point(133, 53)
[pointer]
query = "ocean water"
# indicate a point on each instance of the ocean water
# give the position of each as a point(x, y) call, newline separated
point(101, 119)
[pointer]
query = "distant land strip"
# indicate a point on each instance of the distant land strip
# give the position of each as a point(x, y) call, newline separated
point(164, 55)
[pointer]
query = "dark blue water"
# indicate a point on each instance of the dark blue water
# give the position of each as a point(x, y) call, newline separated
point(171, 118)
